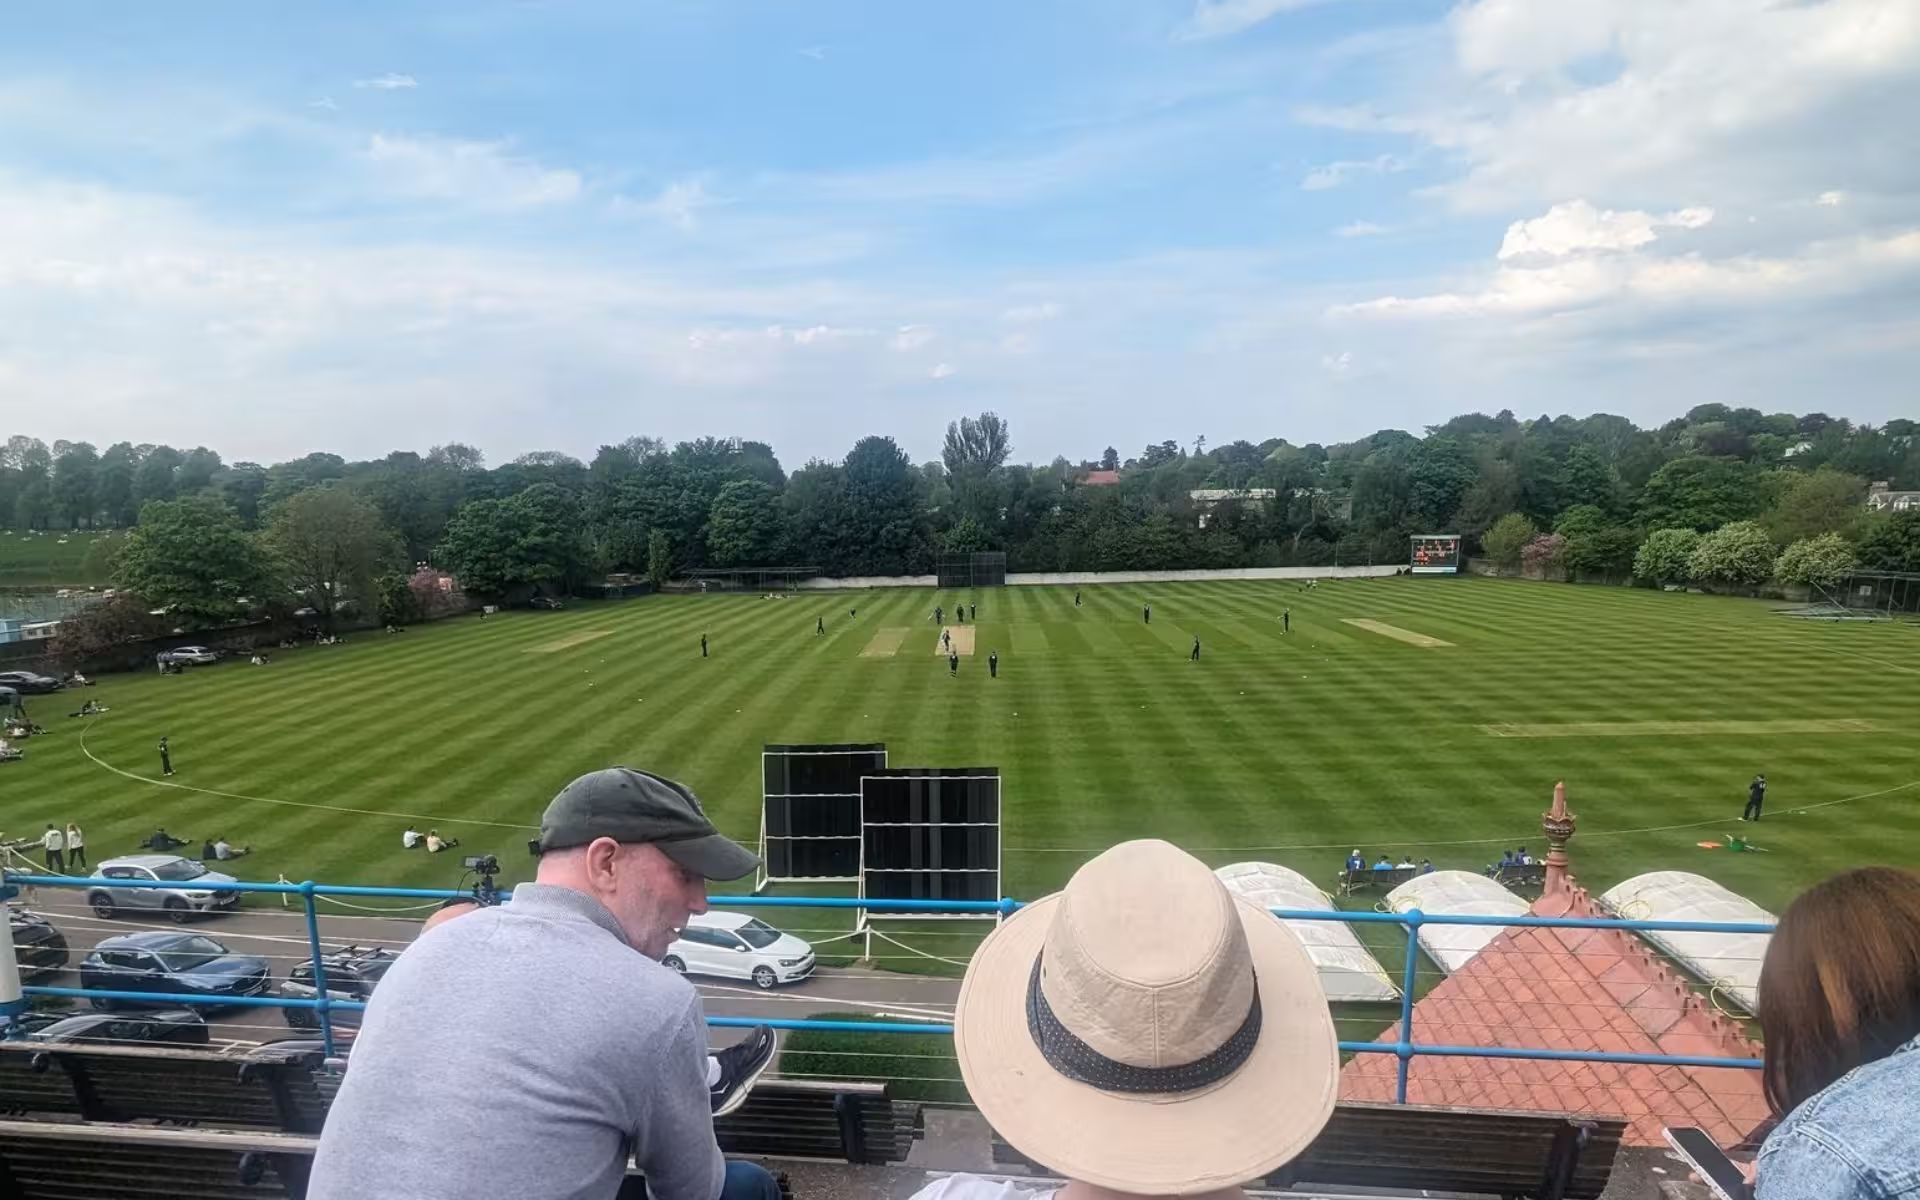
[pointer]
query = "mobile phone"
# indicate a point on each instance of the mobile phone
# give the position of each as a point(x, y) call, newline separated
point(1710, 1163)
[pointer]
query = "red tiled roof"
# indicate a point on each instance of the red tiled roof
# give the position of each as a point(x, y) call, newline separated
point(1573, 989)
point(1101, 478)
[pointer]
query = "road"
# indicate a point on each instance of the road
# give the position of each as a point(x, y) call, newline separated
point(279, 935)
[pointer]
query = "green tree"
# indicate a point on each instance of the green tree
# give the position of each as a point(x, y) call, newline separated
point(1817, 502)
point(1595, 546)
point(242, 486)
point(153, 478)
point(114, 489)
point(76, 481)
point(1110, 460)
point(196, 470)
point(1702, 493)
point(531, 539)
point(1507, 538)
point(192, 557)
point(965, 537)
point(743, 526)
point(1586, 479)
point(1663, 557)
point(1735, 555)
point(882, 516)
point(399, 605)
point(329, 544)
point(1820, 561)
point(659, 559)
point(1892, 542)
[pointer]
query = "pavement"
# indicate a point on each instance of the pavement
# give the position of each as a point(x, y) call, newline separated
point(279, 934)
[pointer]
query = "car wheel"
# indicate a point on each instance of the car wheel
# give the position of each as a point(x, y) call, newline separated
point(672, 963)
point(763, 978)
point(102, 1003)
point(102, 906)
point(177, 910)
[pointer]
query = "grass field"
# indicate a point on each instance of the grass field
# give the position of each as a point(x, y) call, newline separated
point(1656, 709)
point(49, 559)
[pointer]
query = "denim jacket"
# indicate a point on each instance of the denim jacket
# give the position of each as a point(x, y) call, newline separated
point(1856, 1139)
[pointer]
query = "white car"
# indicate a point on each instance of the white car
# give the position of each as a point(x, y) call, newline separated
point(736, 946)
point(199, 656)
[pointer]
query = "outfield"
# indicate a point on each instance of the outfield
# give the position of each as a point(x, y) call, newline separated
point(1656, 709)
point(51, 559)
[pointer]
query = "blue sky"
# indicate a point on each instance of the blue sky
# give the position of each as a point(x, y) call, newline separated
point(550, 225)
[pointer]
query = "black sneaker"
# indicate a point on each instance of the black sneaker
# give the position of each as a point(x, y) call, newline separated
point(741, 1064)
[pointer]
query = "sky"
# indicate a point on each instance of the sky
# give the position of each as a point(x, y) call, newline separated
point(528, 225)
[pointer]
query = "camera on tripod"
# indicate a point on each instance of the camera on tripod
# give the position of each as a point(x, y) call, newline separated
point(485, 891)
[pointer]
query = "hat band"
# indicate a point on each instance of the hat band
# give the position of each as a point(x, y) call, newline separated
point(1067, 1054)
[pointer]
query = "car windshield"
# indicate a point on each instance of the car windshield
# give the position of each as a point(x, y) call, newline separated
point(758, 934)
point(191, 953)
point(179, 869)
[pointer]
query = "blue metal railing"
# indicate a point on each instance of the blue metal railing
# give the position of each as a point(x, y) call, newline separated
point(1405, 1048)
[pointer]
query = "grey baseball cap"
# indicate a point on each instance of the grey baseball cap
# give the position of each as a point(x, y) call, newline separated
point(636, 806)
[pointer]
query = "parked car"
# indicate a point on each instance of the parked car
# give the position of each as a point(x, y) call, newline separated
point(352, 974)
point(181, 967)
point(737, 946)
point(547, 602)
point(39, 948)
point(155, 1027)
point(28, 682)
point(198, 656)
point(178, 904)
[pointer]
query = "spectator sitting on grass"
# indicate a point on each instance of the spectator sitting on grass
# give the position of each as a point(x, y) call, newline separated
point(436, 843)
point(1840, 1011)
point(162, 841)
point(1145, 1033)
point(223, 849)
point(411, 839)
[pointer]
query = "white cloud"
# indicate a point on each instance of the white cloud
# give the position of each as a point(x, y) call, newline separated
point(942, 371)
point(1830, 199)
point(1032, 312)
point(325, 102)
point(678, 204)
point(1353, 229)
point(1337, 365)
point(390, 82)
point(911, 337)
point(816, 53)
point(1654, 101)
point(1223, 18)
point(1333, 174)
point(1579, 226)
point(481, 174)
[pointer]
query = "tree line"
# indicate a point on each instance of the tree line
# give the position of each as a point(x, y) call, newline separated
point(1583, 496)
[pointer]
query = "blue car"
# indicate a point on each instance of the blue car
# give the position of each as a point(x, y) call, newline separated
point(180, 968)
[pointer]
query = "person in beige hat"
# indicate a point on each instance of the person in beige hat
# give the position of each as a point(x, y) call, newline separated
point(1145, 1032)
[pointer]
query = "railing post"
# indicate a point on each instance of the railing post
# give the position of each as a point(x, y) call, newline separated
point(1404, 1050)
point(319, 969)
point(13, 1001)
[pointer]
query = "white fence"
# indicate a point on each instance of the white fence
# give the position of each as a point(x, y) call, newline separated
point(1095, 578)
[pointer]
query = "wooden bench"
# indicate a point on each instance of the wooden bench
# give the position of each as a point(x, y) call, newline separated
point(851, 1122)
point(1542, 1156)
point(1367, 878)
point(50, 1160)
point(1526, 875)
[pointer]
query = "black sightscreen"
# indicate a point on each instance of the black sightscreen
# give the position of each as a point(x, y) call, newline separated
point(812, 808)
point(931, 833)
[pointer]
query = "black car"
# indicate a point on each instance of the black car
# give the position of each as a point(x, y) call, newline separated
point(546, 602)
point(158, 1027)
point(352, 974)
point(182, 967)
point(27, 682)
point(37, 945)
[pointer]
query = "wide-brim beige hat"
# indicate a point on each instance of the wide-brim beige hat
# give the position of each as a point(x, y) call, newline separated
point(1148, 1031)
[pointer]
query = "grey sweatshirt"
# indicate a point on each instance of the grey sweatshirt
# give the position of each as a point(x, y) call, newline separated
point(523, 1051)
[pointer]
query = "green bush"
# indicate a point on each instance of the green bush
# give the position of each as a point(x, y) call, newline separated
point(1508, 536)
point(1821, 561)
point(1663, 557)
point(1740, 554)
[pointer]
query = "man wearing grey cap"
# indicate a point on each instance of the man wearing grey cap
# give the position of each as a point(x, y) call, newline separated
point(529, 1049)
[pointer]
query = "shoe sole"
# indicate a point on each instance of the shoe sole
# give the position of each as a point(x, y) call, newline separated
point(740, 1093)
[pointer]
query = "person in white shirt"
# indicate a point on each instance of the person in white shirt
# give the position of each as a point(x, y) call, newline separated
point(1144, 1033)
point(1407, 864)
point(223, 849)
point(410, 840)
point(76, 846)
point(436, 843)
point(55, 844)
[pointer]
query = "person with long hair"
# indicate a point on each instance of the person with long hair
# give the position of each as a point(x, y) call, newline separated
point(1840, 1011)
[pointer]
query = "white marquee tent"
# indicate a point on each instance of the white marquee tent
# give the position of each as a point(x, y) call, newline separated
point(1347, 970)
point(1456, 893)
point(1728, 962)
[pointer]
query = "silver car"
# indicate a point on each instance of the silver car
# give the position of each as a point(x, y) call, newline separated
point(177, 903)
